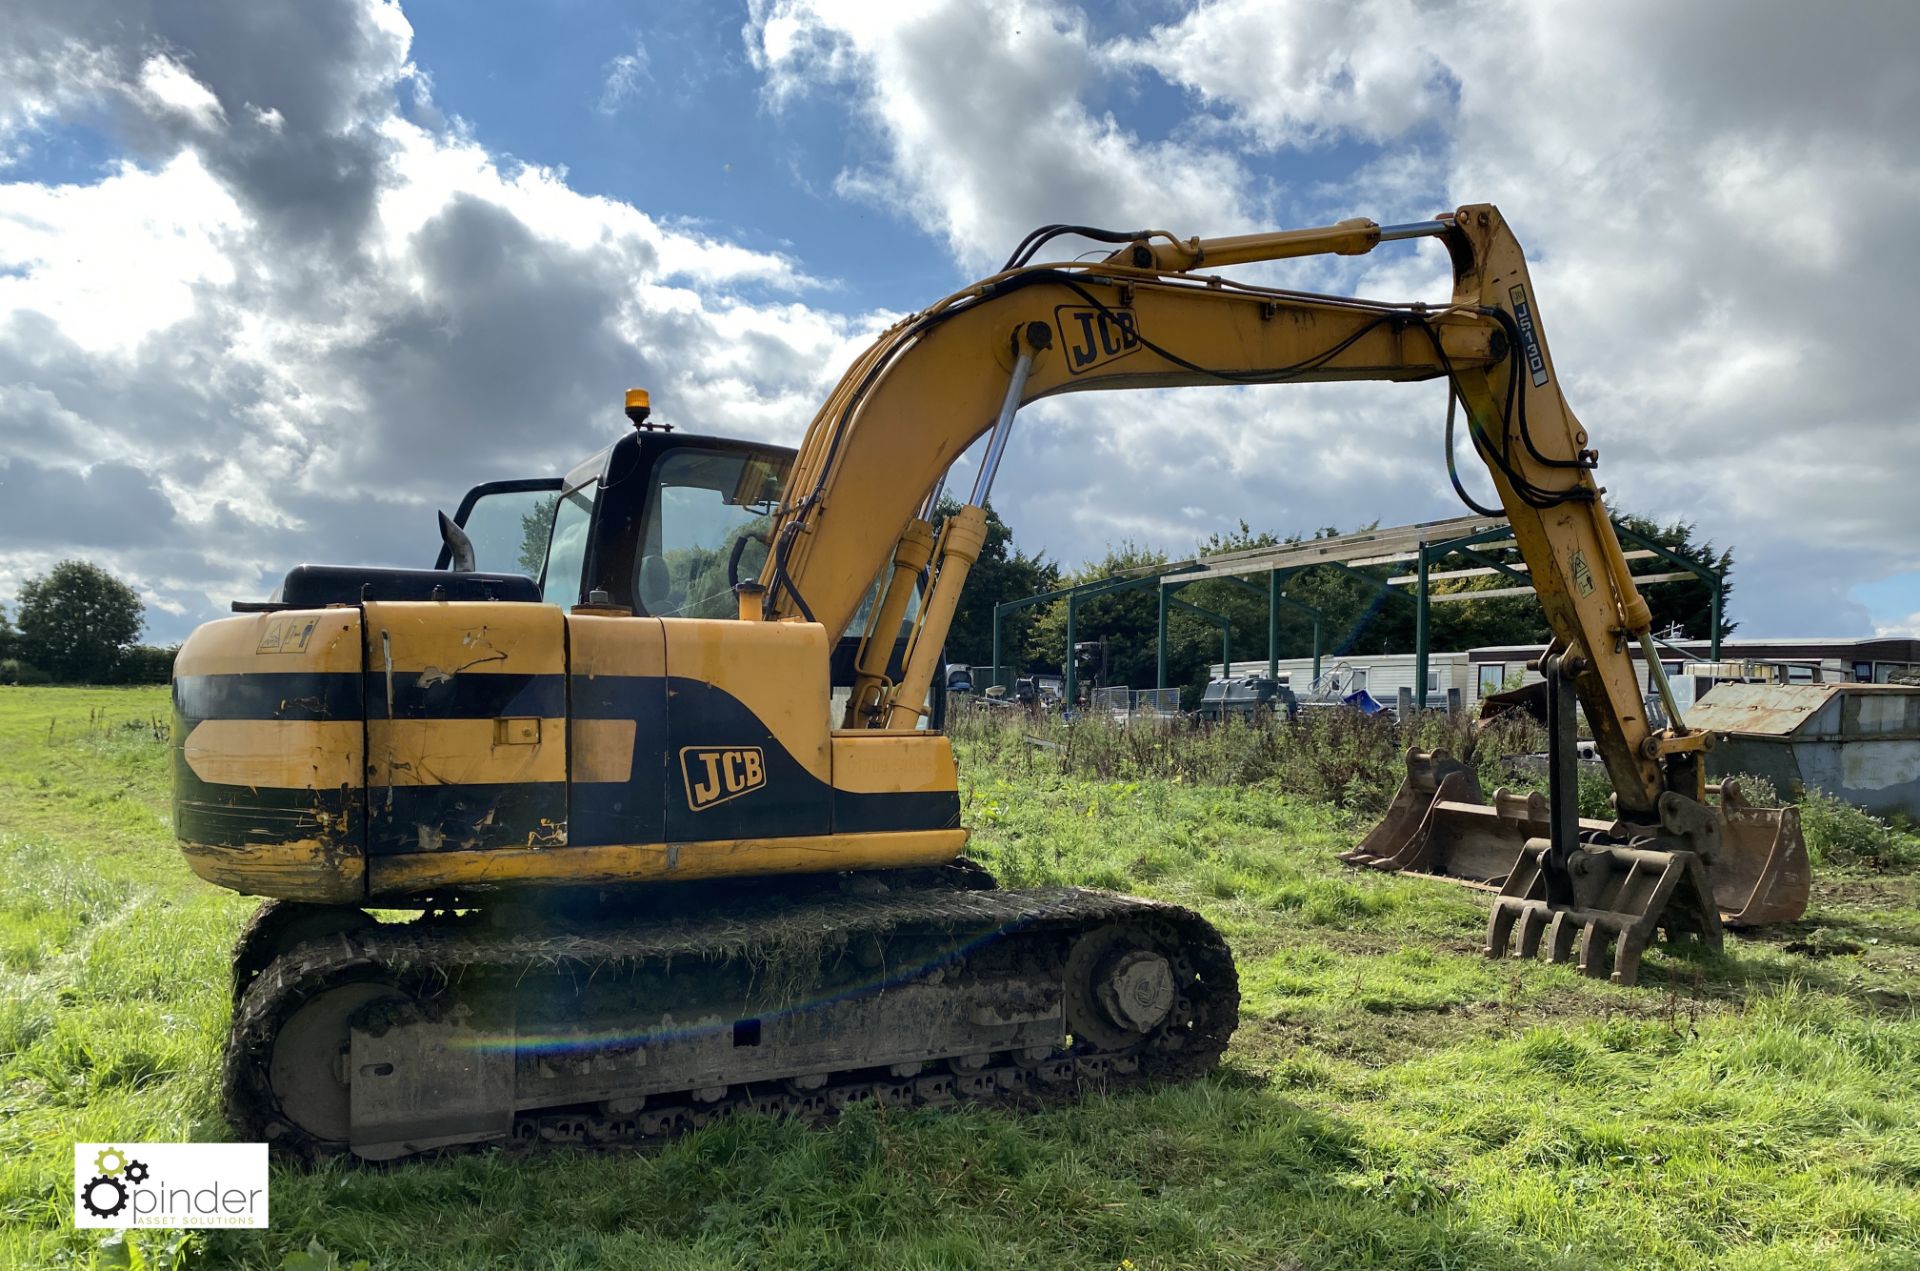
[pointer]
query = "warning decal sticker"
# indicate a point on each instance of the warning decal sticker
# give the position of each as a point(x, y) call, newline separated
point(1582, 576)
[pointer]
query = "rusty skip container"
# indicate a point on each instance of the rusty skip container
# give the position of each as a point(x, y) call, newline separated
point(1857, 742)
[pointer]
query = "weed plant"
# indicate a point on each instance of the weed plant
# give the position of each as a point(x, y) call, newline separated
point(1339, 757)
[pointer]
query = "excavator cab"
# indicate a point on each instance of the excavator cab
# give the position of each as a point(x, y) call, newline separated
point(660, 523)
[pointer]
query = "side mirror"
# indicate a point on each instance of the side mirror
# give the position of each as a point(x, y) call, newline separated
point(460, 557)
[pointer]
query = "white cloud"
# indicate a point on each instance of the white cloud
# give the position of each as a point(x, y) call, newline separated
point(1715, 199)
point(1908, 626)
point(38, 80)
point(285, 332)
point(112, 263)
point(982, 128)
point(171, 88)
point(624, 75)
point(1306, 73)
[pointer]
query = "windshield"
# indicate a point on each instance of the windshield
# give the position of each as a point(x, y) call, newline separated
point(705, 502)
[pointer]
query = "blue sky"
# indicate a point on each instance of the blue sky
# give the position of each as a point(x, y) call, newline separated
point(686, 138)
point(687, 134)
point(341, 260)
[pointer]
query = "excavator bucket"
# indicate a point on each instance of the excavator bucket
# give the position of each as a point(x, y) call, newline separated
point(1397, 841)
point(1439, 824)
point(1762, 875)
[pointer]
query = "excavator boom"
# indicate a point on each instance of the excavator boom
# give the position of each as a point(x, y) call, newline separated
point(933, 385)
point(1144, 317)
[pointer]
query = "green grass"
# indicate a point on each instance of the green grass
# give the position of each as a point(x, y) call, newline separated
point(1391, 1099)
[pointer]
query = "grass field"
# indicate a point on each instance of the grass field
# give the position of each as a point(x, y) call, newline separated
point(1391, 1099)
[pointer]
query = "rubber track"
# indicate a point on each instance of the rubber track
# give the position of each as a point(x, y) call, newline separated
point(424, 955)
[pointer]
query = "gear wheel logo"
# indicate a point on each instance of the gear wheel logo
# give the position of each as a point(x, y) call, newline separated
point(113, 1154)
point(136, 1171)
point(104, 1196)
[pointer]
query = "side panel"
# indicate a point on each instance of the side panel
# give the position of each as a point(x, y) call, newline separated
point(466, 727)
point(884, 781)
point(747, 749)
point(268, 754)
point(617, 689)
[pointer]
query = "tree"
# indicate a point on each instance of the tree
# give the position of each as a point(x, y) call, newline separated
point(1355, 616)
point(1193, 640)
point(9, 638)
point(1128, 620)
point(536, 529)
point(1359, 613)
point(75, 619)
point(1002, 573)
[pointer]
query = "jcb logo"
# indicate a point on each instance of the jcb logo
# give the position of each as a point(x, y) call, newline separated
point(1093, 337)
point(715, 774)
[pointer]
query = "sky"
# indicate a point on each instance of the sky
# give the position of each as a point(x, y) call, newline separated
point(277, 280)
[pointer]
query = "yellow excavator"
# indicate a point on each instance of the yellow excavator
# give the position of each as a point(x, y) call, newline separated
point(654, 752)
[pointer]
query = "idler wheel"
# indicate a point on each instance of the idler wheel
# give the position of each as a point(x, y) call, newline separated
point(1120, 987)
point(308, 1069)
point(1137, 990)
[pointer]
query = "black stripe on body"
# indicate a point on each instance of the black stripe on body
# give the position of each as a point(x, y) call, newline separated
point(407, 819)
point(793, 803)
point(307, 695)
point(650, 806)
point(318, 695)
point(633, 810)
point(465, 696)
point(901, 810)
point(215, 815)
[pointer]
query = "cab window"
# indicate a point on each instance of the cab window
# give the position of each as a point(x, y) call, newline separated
point(567, 552)
point(704, 503)
point(864, 614)
point(508, 523)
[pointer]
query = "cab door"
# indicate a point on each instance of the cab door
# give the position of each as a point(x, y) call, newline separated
point(509, 523)
point(617, 691)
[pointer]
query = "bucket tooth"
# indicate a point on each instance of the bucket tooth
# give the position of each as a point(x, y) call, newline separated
point(1499, 927)
point(1533, 924)
point(1626, 957)
point(1593, 946)
point(1560, 937)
